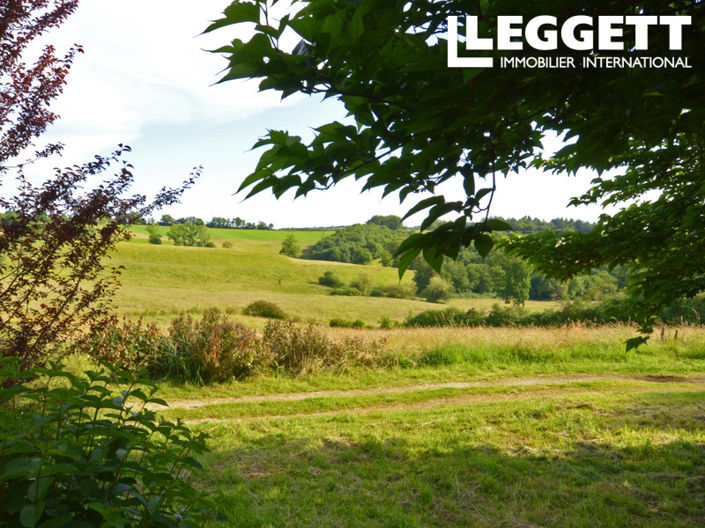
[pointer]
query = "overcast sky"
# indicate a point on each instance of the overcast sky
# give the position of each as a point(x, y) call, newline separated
point(146, 80)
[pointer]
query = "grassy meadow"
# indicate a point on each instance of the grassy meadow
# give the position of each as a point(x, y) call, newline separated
point(495, 427)
point(462, 427)
point(160, 281)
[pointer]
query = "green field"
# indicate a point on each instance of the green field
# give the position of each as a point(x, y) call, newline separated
point(161, 280)
point(539, 427)
point(465, 427)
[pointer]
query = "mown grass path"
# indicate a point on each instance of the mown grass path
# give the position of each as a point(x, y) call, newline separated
point(519, 382)
point(575, 450)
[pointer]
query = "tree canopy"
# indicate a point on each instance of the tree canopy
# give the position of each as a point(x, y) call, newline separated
point(420, 123)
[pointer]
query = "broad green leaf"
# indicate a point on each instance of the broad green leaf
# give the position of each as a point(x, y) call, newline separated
point(484, 244)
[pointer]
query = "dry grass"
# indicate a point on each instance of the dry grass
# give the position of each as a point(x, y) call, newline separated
point(417, 339)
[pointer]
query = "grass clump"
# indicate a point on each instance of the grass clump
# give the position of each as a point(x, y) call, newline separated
point(264, 309)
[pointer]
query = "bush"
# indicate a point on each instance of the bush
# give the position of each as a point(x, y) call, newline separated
point(344, 323)
point(302, 350)
point(210, 244)
point(79, 456)
point(330, 279)
point(227, 245)
point(264, 309)
point(385, 323)
point(393, 291)
point(363, 282)
point(155, 239)
point(206, 351)
point(189, 234)
point(437, 290)
point(128, 345)
point(347, 291)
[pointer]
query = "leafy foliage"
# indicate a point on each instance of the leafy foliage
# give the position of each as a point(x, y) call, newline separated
point(290, 247)
point(330, 279)
point(210, 350)
point(189, 234)
point(264, 309)
point(437, 290)
point(55, 238)
point(128, 345)
point(27, 91)
point(356, 244)
point(154, 236)
point(419, 124)
point(72, 453)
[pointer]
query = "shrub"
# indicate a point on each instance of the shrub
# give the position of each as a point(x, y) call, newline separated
point(347, 291)
point(189, 234)
point(385, 323)
point(154, 236)
point(128, 345)
point(264, 309)
point(227, 244)
point(206, 351)
point(210, 244)
point(330, 279)
point(290, 247)
point(393, 291)
point(344, 323)
point(79, 456)
point(301, 350)
point(363, 282)
point(437, 290)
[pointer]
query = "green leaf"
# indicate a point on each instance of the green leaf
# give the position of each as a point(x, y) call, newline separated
point(236, 13)
point(424, 204)
point(406, 259)
point(495, 224)
point(30, 514)
point(484, 244)
point(469, 184)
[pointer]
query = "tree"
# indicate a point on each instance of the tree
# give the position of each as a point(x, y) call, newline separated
point(423, 273)
point(189, 234)
point(437, 290)
point(26, 92)
point(290, 247)
point(56, 284)
point(419, 123)
point(391, 221)
point(53, 237)
point(154, 236)
point(517, 281)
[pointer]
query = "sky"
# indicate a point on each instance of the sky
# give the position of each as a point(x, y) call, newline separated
point(147, 80)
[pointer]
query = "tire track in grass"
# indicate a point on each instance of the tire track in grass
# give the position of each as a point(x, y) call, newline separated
point(544, 393)
point(194, 403)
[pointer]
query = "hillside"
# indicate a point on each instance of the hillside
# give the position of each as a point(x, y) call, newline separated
point(161, 280)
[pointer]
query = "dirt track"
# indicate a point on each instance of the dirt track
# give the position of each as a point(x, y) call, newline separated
point(684, 384)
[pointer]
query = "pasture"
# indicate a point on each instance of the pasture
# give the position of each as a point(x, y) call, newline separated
point(497, 427)
point(159, 281)
point(515, 427)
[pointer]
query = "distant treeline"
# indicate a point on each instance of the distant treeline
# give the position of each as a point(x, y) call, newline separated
point(499, 274)
point(687, 311)
point(215, 222)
